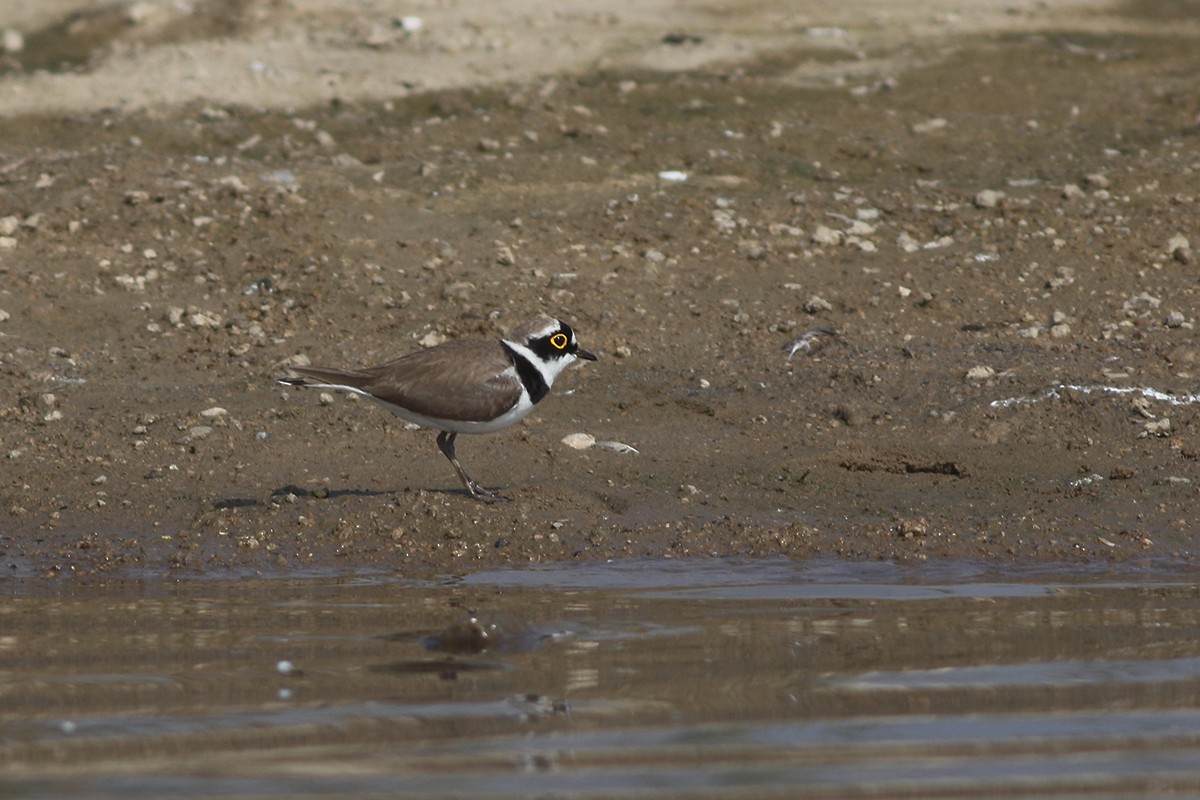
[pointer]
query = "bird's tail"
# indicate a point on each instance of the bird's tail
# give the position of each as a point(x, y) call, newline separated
point(326, 378)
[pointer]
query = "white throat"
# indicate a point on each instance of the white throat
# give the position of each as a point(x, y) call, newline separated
point(549, 369)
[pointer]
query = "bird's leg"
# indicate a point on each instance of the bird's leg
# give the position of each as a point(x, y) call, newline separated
point(445, 441)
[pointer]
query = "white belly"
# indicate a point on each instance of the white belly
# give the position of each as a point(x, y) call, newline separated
point(510, 417)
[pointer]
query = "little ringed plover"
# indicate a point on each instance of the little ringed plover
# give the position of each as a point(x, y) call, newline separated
point(465, 386)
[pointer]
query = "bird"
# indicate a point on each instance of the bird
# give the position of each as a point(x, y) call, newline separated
point(462, 386)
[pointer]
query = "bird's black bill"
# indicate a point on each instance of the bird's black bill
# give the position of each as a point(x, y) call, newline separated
point(584, 354)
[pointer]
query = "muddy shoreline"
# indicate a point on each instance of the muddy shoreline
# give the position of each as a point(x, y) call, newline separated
point(1001, 232)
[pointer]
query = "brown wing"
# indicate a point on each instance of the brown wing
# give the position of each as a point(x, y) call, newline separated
point(463, 380)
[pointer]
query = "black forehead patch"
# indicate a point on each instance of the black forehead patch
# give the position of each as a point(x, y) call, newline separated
point(554, 344)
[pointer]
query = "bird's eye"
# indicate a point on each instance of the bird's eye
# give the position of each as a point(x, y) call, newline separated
point(559, 341)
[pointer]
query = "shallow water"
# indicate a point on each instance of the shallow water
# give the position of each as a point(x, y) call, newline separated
point(654, 679)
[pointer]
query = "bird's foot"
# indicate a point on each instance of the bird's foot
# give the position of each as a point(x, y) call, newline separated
point(485, 495)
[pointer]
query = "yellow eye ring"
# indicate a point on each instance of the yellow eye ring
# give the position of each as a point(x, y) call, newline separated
point(559, 341)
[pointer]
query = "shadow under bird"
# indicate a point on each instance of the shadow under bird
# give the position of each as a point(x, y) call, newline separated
point(465, 386)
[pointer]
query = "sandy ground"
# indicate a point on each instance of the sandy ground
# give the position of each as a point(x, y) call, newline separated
point(995, 207)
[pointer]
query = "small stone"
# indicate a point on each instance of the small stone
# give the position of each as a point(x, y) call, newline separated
point(1097, 180)
point(622, 351)
point(930, 125)
point(654, 256)
point(8, 242)
point(213, 413)
point(579, 441)
point(194, 434)
point(9, 225)
point(1157, 427)
point(1175, 319)
point(816, 304)
point(12, 41)
point(325, 398)
point(432, 339)
point(1072, 192)
point(1060, 331)
point(1180, 249)
point(460, 290)
point(988, 198)
point(752, 250)
point(504, 256)
point(980, 373)
point(4, 315)
point(827, 236)
point(907, 243)
point(205, 319)
point(53, 416)
point(99, 480)
point(47, 400)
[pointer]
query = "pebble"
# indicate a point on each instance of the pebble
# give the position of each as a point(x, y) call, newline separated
point(980, 373)
point(816, 304)
point(205, 319)
point(930, 125)
point(12, 41)
point(753, 250)
point(1157, 427)
point(654, 256)
point(432, 339)
point(194, 434)
point(214, 412)
point(988, 198)
point(504, 256)
point(1179, 248)
point(672, 176)
point(1175, 319)
point(4, 315)
point(826, 235)
point(1060, 331)
point(579, 441)
point(9, 225)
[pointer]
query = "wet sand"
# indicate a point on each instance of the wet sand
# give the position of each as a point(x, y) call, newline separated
point(995, 211)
